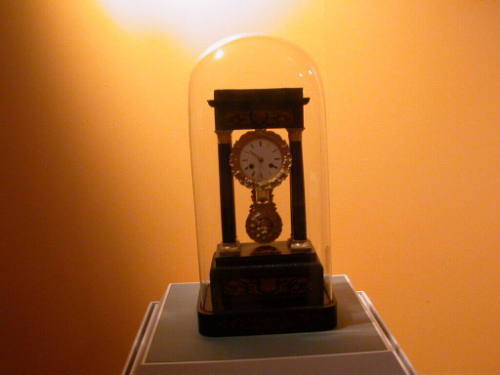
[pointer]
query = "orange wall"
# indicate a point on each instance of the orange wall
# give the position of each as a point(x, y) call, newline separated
point(97, 213)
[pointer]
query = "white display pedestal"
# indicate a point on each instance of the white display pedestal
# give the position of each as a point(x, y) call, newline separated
point(168, 342)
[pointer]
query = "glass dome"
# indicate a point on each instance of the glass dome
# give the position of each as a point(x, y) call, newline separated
point(260, 181)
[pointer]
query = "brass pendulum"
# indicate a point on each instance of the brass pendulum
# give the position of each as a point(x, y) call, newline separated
point(263, 223)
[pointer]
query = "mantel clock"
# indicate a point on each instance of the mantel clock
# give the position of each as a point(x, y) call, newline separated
point(265, 275)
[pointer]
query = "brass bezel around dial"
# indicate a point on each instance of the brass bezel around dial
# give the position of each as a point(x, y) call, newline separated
point(281, 173)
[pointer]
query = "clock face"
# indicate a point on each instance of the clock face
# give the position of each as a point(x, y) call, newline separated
point(260, 158)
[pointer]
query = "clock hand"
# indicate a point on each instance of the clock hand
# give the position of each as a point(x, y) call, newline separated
point(257, 156)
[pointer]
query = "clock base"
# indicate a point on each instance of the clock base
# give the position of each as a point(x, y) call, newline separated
point(265, 289)
point(266, 276)
point(264, 321)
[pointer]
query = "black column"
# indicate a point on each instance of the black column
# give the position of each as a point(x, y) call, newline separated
point(226, 195)
point(297, 193)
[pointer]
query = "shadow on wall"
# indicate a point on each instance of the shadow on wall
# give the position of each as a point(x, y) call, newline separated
point(92, 160)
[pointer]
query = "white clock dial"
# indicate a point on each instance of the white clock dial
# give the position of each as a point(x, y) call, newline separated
point(260, 159)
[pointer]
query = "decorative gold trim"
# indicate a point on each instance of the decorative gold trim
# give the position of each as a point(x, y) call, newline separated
point(295, 134)
point(262, 195)
point(234, 159)
point(224, 136)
